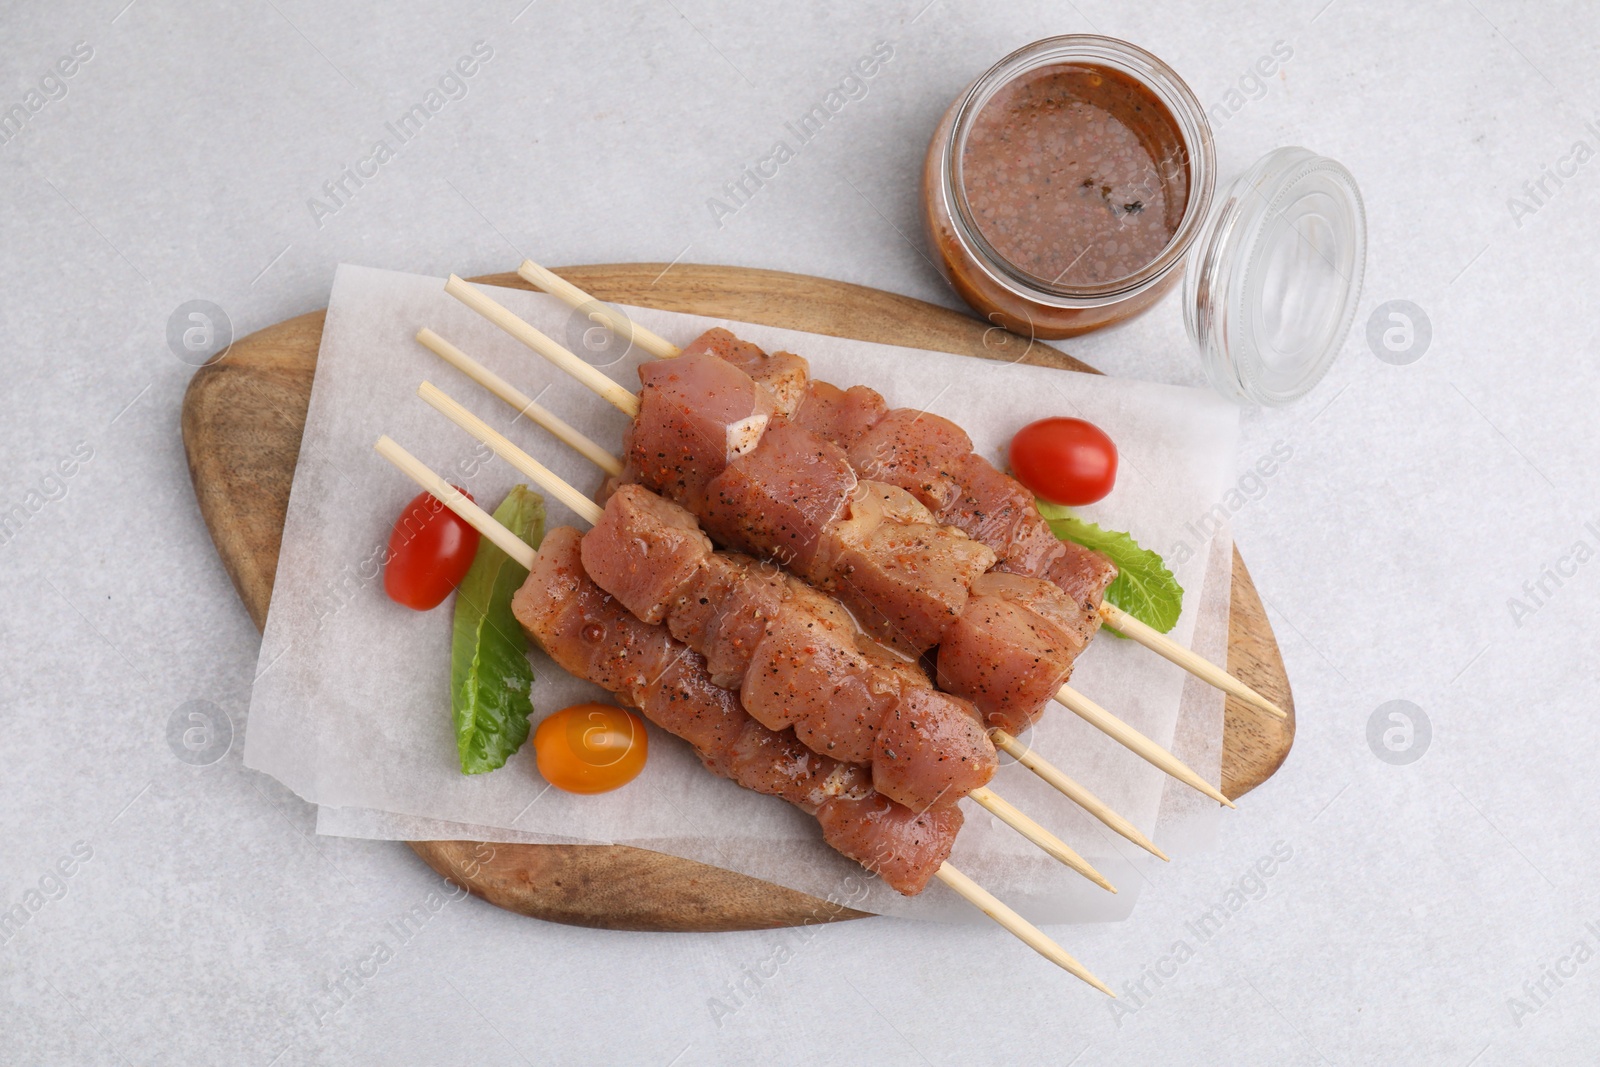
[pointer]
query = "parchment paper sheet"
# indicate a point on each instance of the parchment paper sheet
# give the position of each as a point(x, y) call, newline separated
point(350, 709)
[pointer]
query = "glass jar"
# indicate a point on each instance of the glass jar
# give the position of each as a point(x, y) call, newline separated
point(1277, 259)
point(1024, 300)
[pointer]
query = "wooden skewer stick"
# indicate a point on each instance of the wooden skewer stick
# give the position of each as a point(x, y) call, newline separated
point(504, 318)
point(1138, 743)
point(503, 389)
point(1199, 666)
point(589, 510)
point(546, 478)
point(599, 313)
point(456, 501)
point(524, 554)
point(1021, 928)
point(1024, 755)
point(1019, 821)
point(1072, 790)
point(1098, 716)
point(663, 349)
point(525, 405)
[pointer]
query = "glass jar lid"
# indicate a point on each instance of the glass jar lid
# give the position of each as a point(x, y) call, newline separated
point(1273, 281)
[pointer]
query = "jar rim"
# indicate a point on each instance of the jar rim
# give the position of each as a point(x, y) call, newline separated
point(1153, 75)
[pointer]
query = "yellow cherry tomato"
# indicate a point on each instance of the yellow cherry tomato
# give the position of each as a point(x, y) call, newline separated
point(590, 748)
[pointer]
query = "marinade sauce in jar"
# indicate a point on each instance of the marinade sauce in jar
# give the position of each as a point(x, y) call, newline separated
point(1075, 175)
point(1064, 189)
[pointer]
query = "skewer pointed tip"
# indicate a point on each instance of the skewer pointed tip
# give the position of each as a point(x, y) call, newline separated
point(1073, 791)
point(1019, 927)
point(1212, 791)
point(1195, 664)
point(1135, 742)
point(1052, 845)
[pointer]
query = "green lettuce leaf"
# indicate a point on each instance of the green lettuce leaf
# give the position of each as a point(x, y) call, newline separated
point(1144, 588)
point(491, 680)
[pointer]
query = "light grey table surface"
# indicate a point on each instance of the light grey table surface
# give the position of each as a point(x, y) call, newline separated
point(1441, 911)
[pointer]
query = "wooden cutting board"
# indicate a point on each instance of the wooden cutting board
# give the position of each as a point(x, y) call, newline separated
point(243, 416)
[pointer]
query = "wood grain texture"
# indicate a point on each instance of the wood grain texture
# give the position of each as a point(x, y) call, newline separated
point(243, 417)
point(1254, 744)
point(614, 887)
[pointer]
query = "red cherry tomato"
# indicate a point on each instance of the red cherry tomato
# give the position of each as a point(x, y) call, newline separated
point(1065, 461)
point(430, 550)
point(591, 748)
